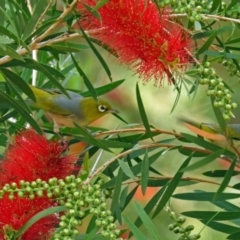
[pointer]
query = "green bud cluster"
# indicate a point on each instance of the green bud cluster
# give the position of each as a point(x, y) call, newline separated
point(193, 9)
point(178, 228)
point(231, 67)
point(217, 89)
point(53, 188)
point(233, 12)
point(76, 196)
point(108, 193)
point(89, 197)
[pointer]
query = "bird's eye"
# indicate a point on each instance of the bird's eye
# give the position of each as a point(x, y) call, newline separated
point(102, 108)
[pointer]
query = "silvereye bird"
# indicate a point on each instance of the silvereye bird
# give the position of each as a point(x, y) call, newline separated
point(214, 133)
point(64, 111)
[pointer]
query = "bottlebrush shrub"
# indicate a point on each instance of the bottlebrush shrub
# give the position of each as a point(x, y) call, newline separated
point(146, 40)
point(28, 158)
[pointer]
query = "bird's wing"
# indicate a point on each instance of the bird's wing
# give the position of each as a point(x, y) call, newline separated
point(234, 131)
point(54, 101)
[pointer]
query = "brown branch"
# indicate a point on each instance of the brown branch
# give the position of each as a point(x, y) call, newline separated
point(35, 44)
point(209, 16)
point(200, 180)
point(177, 135)
point(127, 130)
point(153, 145)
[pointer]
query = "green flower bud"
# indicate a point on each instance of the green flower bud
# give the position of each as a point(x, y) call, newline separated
point(189, 228)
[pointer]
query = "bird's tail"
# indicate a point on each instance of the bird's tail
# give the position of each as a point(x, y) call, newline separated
point(206, 130)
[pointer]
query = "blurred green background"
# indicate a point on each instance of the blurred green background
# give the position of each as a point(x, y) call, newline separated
point(158, 102)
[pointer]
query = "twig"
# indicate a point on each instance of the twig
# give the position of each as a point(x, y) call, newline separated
point(23, 51)
point(35, 44)
point(137, 130)
point(177, 135)
point(154, 145)
point(53, 27)
point(96, 162)
point(200, 180)
point(209, 16)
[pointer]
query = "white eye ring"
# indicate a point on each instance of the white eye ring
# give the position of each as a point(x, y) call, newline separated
point(102, 108)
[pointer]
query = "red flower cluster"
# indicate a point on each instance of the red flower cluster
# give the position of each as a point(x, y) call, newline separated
point(145, 39)
point(30, 157)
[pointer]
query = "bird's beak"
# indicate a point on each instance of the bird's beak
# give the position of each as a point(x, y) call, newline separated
point(113, 111)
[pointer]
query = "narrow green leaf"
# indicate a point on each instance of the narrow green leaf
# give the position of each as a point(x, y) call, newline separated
point(218, 31)
point(38, 11)
point(32, 64)
point(205, 196)
point(67, 47)
point(208, 145)
point(8, 115)
point(86, 80)
point(219, 116)
point(129, 198)
point(228, 207)
point(234, 236)
point(115, 199)
point(215, 5)
point(8, 33)
point(94, 13)
point(217, 216)
point(13, 54)
point(219, 173)
point(2, 5)
point(88, 138)
point(136, 169)
point(232, 4)
point(105, 89)
point(145, 173)
point(126, 169)
point(226, 180)
point(151, 204)
point(132, 138)
point(21, 110)
point(142, 111)
point(147, 221)
point(99, 4)
point(114, 144)
point(210, 158)
point(37, 217)
point(171, 187)
point(17, 94)
point(92, 228)
point(235, 186)
point(123, 197)
point(117, 191)
point(41, 28)
point(225, 228)
point(208, 43)
point(45, 69)
point(98, 55)
point(120, 118)
point(233, 41)
point(187, 152)
point(12, 24)
point(136, 232)
point(17, 80)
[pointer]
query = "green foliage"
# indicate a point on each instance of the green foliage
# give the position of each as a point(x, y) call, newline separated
point(43, 38)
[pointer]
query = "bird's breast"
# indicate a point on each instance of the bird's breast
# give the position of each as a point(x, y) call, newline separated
point(67, 121)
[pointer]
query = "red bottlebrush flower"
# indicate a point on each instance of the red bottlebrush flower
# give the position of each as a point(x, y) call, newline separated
point(142, 37)
point(32, 156)
point(15, 213)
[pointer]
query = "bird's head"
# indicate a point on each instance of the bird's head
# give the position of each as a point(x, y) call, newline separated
point(93, 110)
